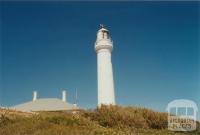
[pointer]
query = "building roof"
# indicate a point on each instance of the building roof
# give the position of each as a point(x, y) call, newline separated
point(45, 104)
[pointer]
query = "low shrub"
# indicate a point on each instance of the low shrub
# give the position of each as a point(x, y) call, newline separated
point(107, 120)
point(120, 117)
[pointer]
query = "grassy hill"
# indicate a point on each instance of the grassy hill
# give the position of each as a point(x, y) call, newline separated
point(112, 120)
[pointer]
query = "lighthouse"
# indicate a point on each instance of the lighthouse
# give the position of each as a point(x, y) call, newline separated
point(103, 48)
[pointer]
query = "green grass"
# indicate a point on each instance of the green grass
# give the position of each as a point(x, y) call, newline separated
point(112, 120)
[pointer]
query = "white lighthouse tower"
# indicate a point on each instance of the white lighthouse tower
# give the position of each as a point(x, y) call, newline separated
point(103, 48)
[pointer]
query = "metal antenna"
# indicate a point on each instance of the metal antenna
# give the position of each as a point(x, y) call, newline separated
point(76, 98)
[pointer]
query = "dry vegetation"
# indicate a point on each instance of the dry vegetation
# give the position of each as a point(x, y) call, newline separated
point(112, 120)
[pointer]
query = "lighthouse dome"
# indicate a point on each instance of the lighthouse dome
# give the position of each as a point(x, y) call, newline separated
point(103, 40)
point(103, 33)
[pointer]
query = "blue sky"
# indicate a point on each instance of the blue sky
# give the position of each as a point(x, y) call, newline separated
point(49, 46)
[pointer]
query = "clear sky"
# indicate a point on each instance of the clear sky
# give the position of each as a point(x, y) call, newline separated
point(49, 46)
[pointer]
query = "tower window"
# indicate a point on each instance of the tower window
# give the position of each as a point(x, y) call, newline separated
point(106, 35)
